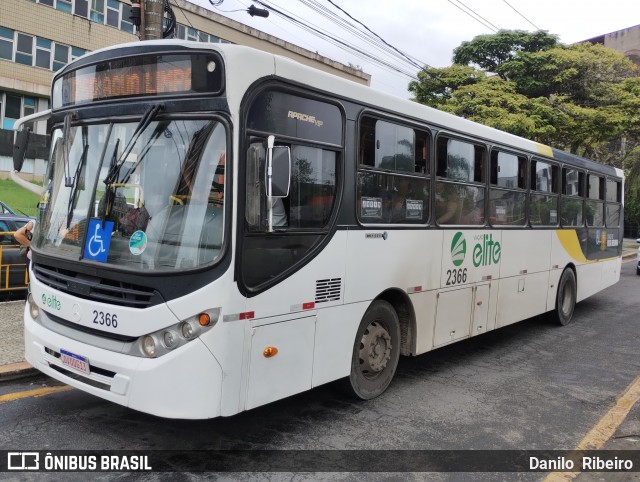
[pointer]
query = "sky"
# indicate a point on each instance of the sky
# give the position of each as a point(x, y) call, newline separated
point(429, 30)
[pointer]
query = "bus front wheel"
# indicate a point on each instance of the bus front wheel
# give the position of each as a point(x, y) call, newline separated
point(376, 351)
point(565, 298)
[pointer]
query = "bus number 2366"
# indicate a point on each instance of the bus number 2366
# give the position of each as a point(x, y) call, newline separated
point(456, 276)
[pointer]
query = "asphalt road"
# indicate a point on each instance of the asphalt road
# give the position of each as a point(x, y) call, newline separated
point(531, 385)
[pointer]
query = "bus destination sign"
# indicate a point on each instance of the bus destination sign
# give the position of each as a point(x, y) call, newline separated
point(151, 75)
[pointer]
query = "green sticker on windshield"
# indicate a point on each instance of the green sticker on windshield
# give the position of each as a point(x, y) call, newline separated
point(138, 243)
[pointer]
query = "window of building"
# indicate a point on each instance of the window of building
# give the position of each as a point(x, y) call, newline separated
point(63, 5)
point(571, 204)
point(81, 8)
point(113, 13)
point(77, 52)
point(46, 2)
point(6, 43)
point(13, 104)
point(192, 34)
point(43, 53)
point(203, 37)
point(507, 196)
point(24, 49)
point(213, 39)
point(61, 56)
point(125, 23)
point(97, 11)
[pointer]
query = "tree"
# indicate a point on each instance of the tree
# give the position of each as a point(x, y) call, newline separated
point(435, 86)
point(489, 52)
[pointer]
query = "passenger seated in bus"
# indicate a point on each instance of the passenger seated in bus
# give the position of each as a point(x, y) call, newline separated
point(448, 204)
point(401, 192)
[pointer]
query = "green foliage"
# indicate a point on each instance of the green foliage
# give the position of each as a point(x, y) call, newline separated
point(435, 86)
point(17, 198)
point(632, 190)
point(584, 74)
point(582, 98)
point(489, 52)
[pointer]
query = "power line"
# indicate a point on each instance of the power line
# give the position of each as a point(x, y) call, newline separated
point(537, 28)
point(336, 41)
point(378, 36)
point(476, 13)
point(493, 29)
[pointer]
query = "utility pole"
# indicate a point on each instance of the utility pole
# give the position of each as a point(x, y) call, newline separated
point(153, 13)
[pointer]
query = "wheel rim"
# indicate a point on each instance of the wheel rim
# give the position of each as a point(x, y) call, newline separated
point(375, 350)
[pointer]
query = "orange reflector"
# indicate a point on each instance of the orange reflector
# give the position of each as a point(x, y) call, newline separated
point(270, 351)
point(204, 319)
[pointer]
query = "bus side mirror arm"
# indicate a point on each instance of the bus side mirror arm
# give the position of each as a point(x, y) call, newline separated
point(22, 136)
point(270, 143)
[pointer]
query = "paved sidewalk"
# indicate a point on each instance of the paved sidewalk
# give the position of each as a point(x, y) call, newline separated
point(12, 364)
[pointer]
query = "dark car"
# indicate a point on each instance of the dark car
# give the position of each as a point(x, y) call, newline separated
point(12, 264)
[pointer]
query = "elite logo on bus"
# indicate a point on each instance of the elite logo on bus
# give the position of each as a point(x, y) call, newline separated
point(458, 249)
point(486, 251)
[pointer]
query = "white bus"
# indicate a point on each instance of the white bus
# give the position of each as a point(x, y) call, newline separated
point(222, 228)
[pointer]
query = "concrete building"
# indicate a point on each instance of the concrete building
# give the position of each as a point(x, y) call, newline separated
point(626, 41)
point(38, 37)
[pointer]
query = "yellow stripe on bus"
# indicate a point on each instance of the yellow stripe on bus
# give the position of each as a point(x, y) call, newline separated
point(569, 240)
point(544, 150)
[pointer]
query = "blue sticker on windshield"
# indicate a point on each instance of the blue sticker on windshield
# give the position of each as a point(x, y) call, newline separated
point(96, 246)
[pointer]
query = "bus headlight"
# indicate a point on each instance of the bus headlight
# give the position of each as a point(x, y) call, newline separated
point(170, 339)
point(187, 330)
point(149, 346)
point(163, 341)
point(34, 311)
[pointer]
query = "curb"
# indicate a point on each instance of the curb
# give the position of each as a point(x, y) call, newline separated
point(15, 371)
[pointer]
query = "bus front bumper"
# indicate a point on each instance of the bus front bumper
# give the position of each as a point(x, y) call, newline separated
point(184, 384)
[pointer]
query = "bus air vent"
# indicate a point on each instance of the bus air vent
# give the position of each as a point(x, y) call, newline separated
point(96, 289)
point(328, 289)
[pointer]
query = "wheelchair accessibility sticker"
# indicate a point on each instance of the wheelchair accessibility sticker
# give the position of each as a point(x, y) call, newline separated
point(96, 246)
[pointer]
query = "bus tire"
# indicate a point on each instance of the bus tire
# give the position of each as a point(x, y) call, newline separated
point(376, 351)
point(565, 298)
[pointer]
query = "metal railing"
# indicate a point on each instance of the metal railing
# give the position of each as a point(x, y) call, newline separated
point(7, 269)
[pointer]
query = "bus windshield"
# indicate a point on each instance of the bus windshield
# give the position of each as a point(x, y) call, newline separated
point(147, 200)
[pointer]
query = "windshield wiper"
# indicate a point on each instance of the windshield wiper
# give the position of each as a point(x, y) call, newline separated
point(108, 192)
point(146, 119)
point(66, 128)
point(73, 195)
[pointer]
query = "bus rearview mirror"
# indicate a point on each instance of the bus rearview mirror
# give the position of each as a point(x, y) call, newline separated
point(20, 148)
point(281, 174)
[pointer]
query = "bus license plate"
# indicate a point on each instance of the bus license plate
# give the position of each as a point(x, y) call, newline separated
point(74, 361)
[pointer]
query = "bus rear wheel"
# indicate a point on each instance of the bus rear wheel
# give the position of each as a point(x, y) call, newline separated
point(565, 298)
point(376, 351)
